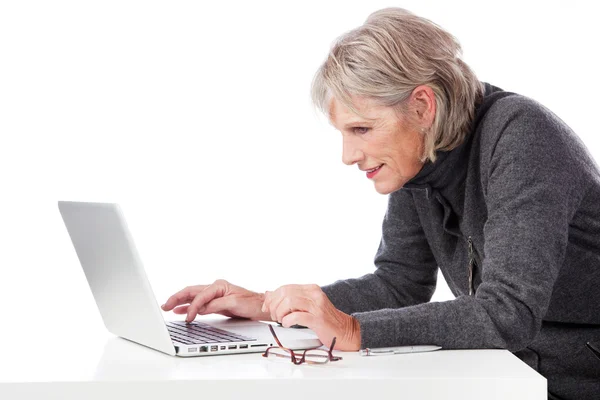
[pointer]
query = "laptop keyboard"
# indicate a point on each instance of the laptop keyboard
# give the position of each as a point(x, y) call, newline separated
point(199, 333)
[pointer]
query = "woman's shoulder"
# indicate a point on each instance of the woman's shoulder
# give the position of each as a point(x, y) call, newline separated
point(504, 112)
point(519, 124)
point(516, 132)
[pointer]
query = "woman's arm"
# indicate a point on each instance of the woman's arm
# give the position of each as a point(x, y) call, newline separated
point(406, 270)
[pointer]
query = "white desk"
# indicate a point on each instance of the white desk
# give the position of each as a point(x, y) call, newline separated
point(106, 367)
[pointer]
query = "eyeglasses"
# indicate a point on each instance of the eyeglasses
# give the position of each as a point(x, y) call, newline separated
point(315, 355)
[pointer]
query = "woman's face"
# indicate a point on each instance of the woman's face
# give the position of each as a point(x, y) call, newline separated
point(385, 145)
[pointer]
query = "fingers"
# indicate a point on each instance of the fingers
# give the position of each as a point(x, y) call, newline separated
point(309, 306)
point(291, 298)
point(299, 318)
point(180, 310)
point(197, 297)
point(182, 297)
point(213, 307)
point(218, 305)
point(291, 304)
point(273, 299)
point(217, 289)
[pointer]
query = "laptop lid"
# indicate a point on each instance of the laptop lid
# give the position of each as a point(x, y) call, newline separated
point(115, 273)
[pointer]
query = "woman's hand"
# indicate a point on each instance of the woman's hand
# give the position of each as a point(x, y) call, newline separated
point(221, 297)
point(307, 305)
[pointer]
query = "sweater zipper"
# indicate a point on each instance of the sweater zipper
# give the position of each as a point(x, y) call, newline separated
point(471, 265)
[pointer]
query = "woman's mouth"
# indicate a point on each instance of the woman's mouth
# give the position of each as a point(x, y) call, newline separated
point(372, 172)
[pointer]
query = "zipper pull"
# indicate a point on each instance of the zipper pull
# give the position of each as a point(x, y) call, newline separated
point(471, 264)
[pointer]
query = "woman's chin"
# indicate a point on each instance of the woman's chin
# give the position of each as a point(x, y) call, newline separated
point(387, 187)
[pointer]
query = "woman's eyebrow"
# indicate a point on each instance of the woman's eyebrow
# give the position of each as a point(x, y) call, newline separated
point(354, 124)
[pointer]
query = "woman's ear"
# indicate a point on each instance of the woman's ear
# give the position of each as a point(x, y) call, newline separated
point(424, 105)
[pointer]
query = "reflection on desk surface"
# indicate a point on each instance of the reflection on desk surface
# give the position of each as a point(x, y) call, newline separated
point(125, 360)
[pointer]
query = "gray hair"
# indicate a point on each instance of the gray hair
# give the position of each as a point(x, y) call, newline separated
point(387, 57)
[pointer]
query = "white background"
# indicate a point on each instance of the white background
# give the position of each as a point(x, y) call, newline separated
point(196, 118)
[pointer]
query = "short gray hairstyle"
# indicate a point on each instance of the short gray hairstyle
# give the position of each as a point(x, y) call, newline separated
point(391, 54)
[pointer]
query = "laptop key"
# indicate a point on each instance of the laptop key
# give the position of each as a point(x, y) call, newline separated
point(207, 333)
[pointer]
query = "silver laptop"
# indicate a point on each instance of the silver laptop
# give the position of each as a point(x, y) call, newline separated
point(127, 304)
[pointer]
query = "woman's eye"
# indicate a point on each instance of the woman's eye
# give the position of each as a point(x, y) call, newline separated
point(360, 130)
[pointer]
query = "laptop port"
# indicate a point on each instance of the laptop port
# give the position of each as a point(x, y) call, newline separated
point(203, 349)
point(192, 349)
point(232, 347)
point(223, 347)
point(243, 346)
point(258, 345)
point(214, 348)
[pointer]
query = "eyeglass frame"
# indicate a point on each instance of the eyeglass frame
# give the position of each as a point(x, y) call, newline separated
point(294, 356)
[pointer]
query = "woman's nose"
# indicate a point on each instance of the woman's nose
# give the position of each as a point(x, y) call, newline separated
point(351, 154)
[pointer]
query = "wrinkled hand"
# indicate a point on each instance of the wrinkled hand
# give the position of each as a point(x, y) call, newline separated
point(309, 306)
point(221, 297)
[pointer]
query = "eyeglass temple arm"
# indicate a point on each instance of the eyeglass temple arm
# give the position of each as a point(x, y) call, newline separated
point(331, 356)
point(276, 338)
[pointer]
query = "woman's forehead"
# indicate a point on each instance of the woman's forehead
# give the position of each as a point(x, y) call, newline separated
point(340, 113)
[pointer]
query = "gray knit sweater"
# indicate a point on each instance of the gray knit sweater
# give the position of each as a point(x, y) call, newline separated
point(518, 204)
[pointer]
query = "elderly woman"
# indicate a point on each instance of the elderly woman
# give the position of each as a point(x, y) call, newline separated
point(487, 186)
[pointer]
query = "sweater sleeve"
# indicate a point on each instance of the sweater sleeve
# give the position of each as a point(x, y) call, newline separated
point(533, 187)
point(405, 272)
